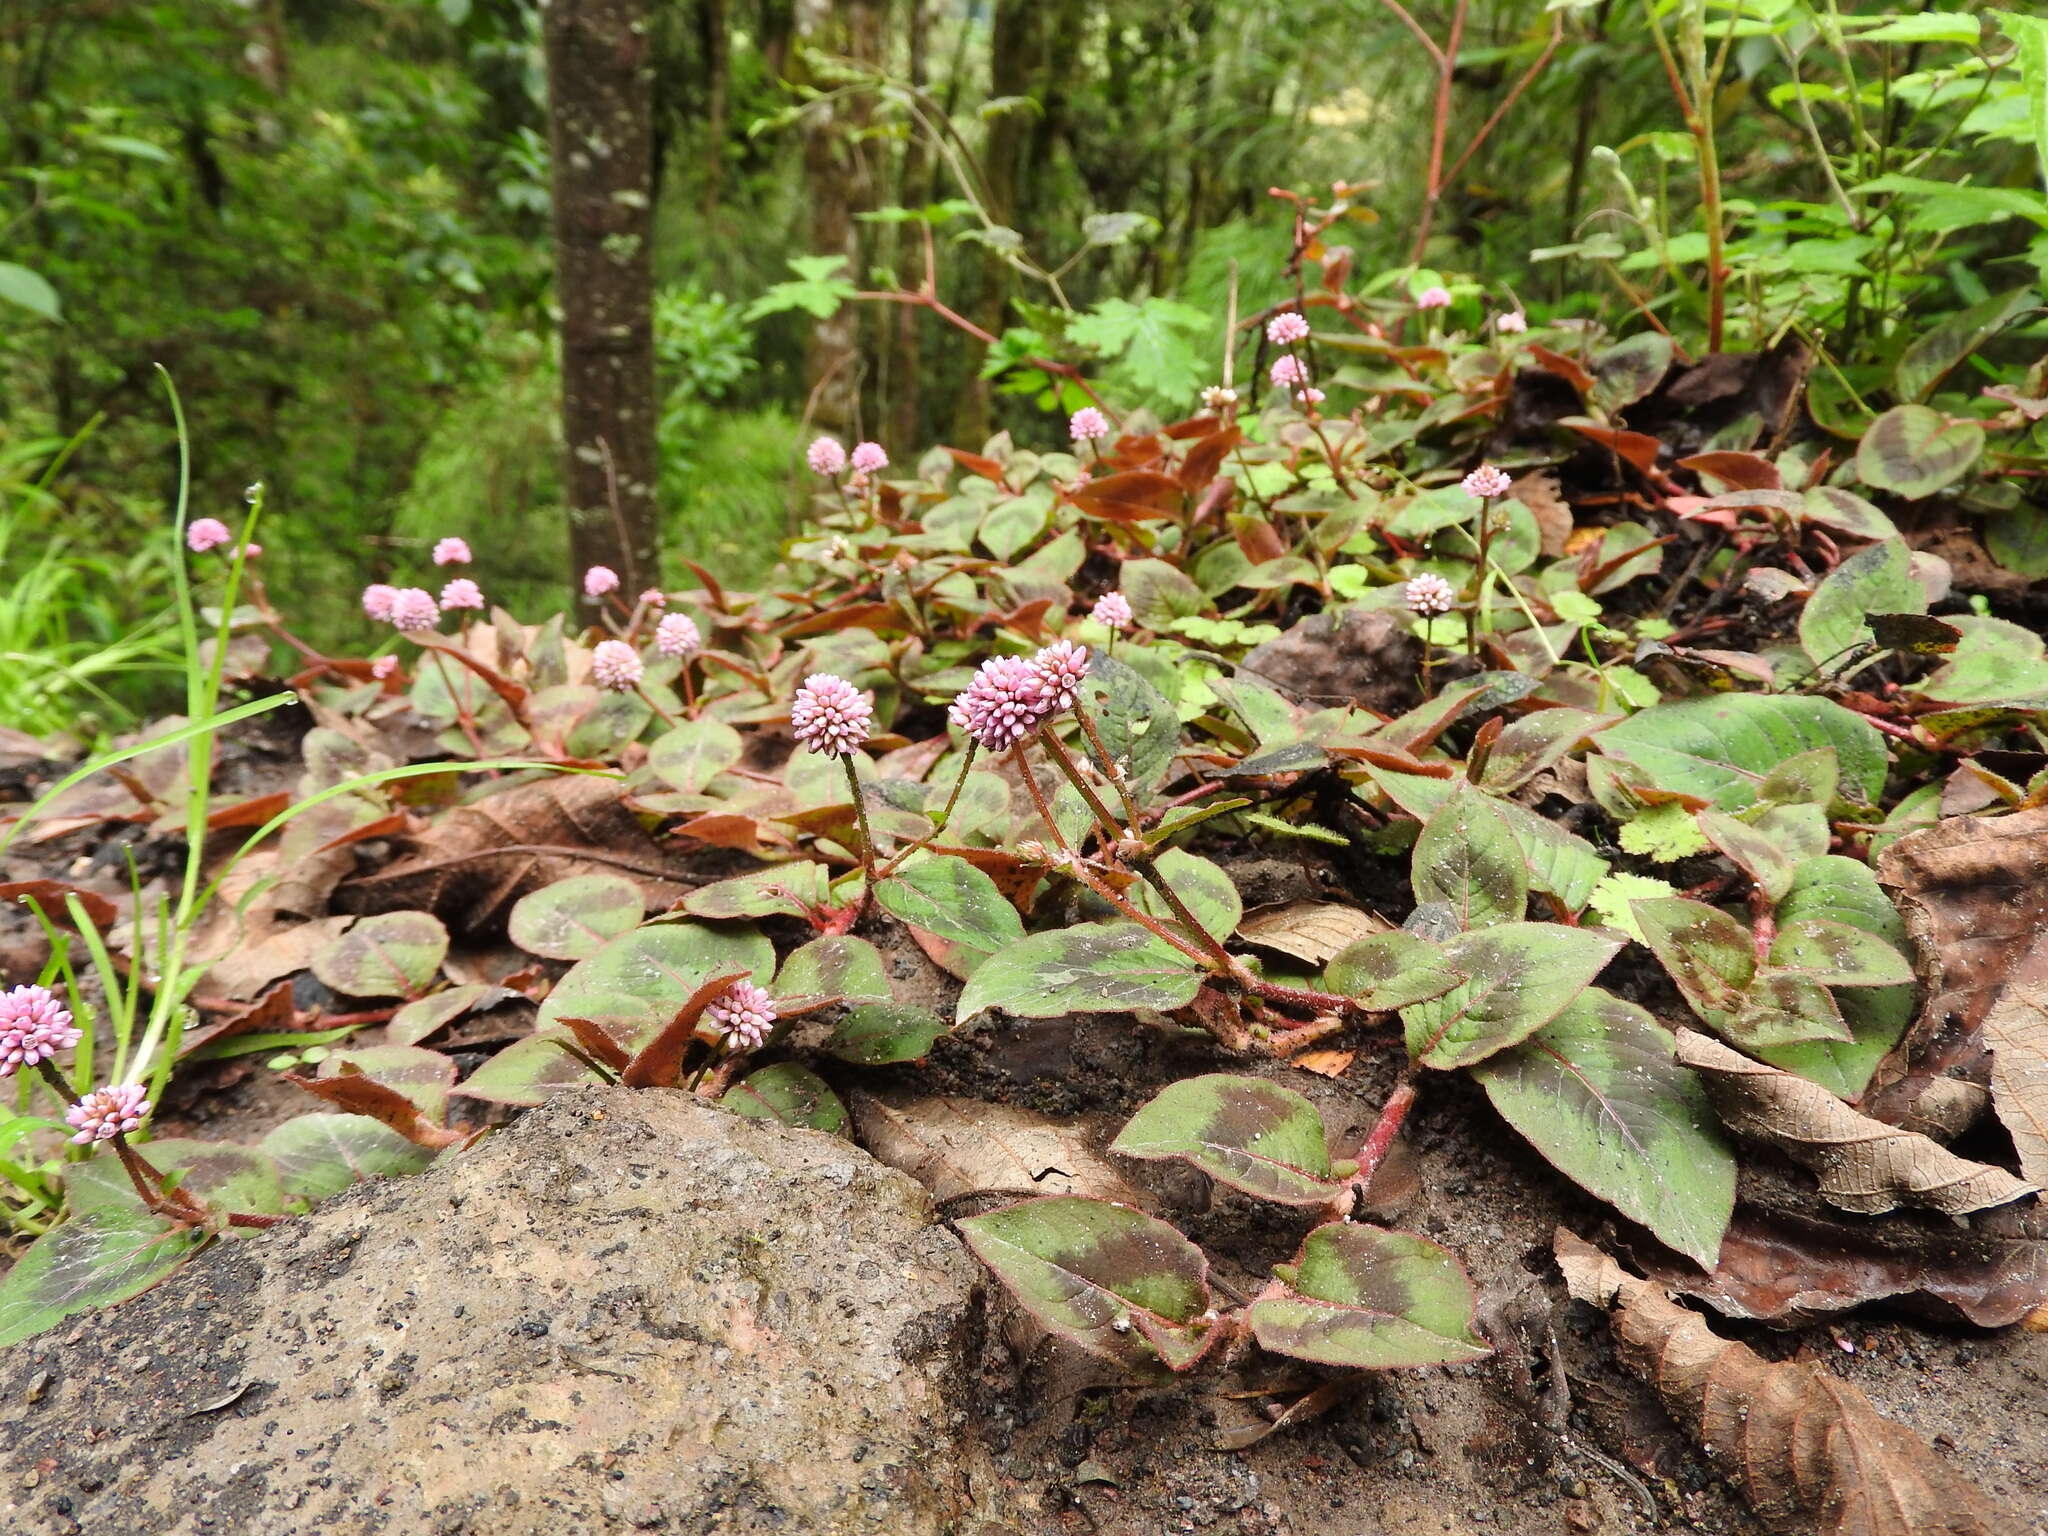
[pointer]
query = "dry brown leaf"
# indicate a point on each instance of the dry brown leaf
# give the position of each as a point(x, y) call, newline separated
point(1324, 1063)
point(1314, 931)
point(1863, 1164)
point(1975, 889)
point(1807, 1450)
point(1544, 498)
point(958, 1147)
point(1790, 1269)
point(2016, 1029)
point(474, 862)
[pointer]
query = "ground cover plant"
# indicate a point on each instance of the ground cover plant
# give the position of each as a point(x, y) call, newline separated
point(1598, 689)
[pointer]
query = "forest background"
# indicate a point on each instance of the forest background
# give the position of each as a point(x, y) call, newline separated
point(330, 221)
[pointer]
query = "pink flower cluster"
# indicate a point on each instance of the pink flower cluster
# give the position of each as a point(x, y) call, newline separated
point(204, 533)
point(1112, 609)
point(1087, 425)
point(616, 665)
point(830, 716)
point(462, 593)
point(1435, 296)
point(869, 459)
point(743, 1013)
point(1428, 595)
point(677, 635)
point(34, 1027)
point(1012, 696)
point(413, 609)
point(1513, 322)
point(599, 580)
point(1285, 330)
point(108, 1112)
point(451, 551)
point(1289, 372)
point(825, 456)
point(1486, 481)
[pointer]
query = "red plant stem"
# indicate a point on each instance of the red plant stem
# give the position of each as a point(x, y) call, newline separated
point(1514, 94)
point(1392, 1116)
point(689, 689)
point(1109, 766)
point(939, 821)
point(1079, 868)
point(1446, 61)
point(867, 837)
point(1063, 760)
point(648, 699)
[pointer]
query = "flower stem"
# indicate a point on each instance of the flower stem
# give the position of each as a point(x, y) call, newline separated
point(1063, 760)
point(867, 837)
point(939, 821)
point(1109, 766)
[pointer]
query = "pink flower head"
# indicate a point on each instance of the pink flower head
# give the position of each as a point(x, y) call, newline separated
point(869, 458)
point(1486, 481)
point(377, 600)
point(413, 608)
point(1309, 396)
point(462, 593)
point(825, 456)
point(1511, 323)
point(678, 635)
point(251, 550)
point(1428, 594)
point(1289, 371)
point(204, 533)
point(34, 1027)
point(1087, 424)
point(600, 579)
point(616, 665)
point(1219, 398)
point(830, 715)
point(1435, 296)
point(654, 597)
point(1112, 609)
point(383, 667)
point(1285, 330)
point(452, 551)
point(1004, 704)
point(743, 1013)
point(1064, 666)
point(108, 1112)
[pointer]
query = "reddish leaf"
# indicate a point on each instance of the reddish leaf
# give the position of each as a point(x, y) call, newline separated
point(249, 813)
point(595, 1042)
point(1739, 471)
point(49, 896)
point(975, 464)
point(1206, 457)
point(1566, 368)
point(359, 1095)
point(1637, 448)
point(661, 1063)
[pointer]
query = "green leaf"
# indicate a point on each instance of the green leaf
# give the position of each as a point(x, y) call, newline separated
point(1723, 748)
point(633, 986)
point(1111, 1279)
point(781, 890)
point(791, 1095)
point(1599, 1093)
point(1519, 976)
point(1385, 971)
point(1560, 861)
point(1782, 1009)
point(527, 1071)
point(1844, 890)
point(1370, 1299)
point(323, 1154)
point(1253, 1135)
point(819, 289)
point(1874, 580)
point(1208, 892)
point(1924, 364)
point(2018, 540)
point(572, 919)
point(1914, 450)
point(694, 753)
point(1138, 725)
point(394, 954)
point(18, 285)
point(1927, 27)
point(1092, 968)
point(1764, 860)
point(91, 1261)
point(877, 1034)
point(1160, 593)
point(1709, 955)
point(1629, 370)
point(837, 965)
point(1467, 858)
point(963, 917)
point(421, 1017)
point(2030, 35)
point(1839, 955)
point(1665, 833)
point(1843, 510)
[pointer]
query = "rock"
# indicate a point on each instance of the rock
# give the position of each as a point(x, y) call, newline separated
point(630, 1311)
point(1343, 656)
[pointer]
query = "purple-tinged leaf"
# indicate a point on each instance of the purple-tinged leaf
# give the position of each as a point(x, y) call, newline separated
point(1371, 1299)
point(1254, 1135)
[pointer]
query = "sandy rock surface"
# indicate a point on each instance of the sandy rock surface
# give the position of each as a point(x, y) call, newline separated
point(629, 1311)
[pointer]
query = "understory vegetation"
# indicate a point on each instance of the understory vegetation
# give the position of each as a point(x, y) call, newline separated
point(1586, 566)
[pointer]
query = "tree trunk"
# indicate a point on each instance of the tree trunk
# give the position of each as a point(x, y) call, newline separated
point(601, 143)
